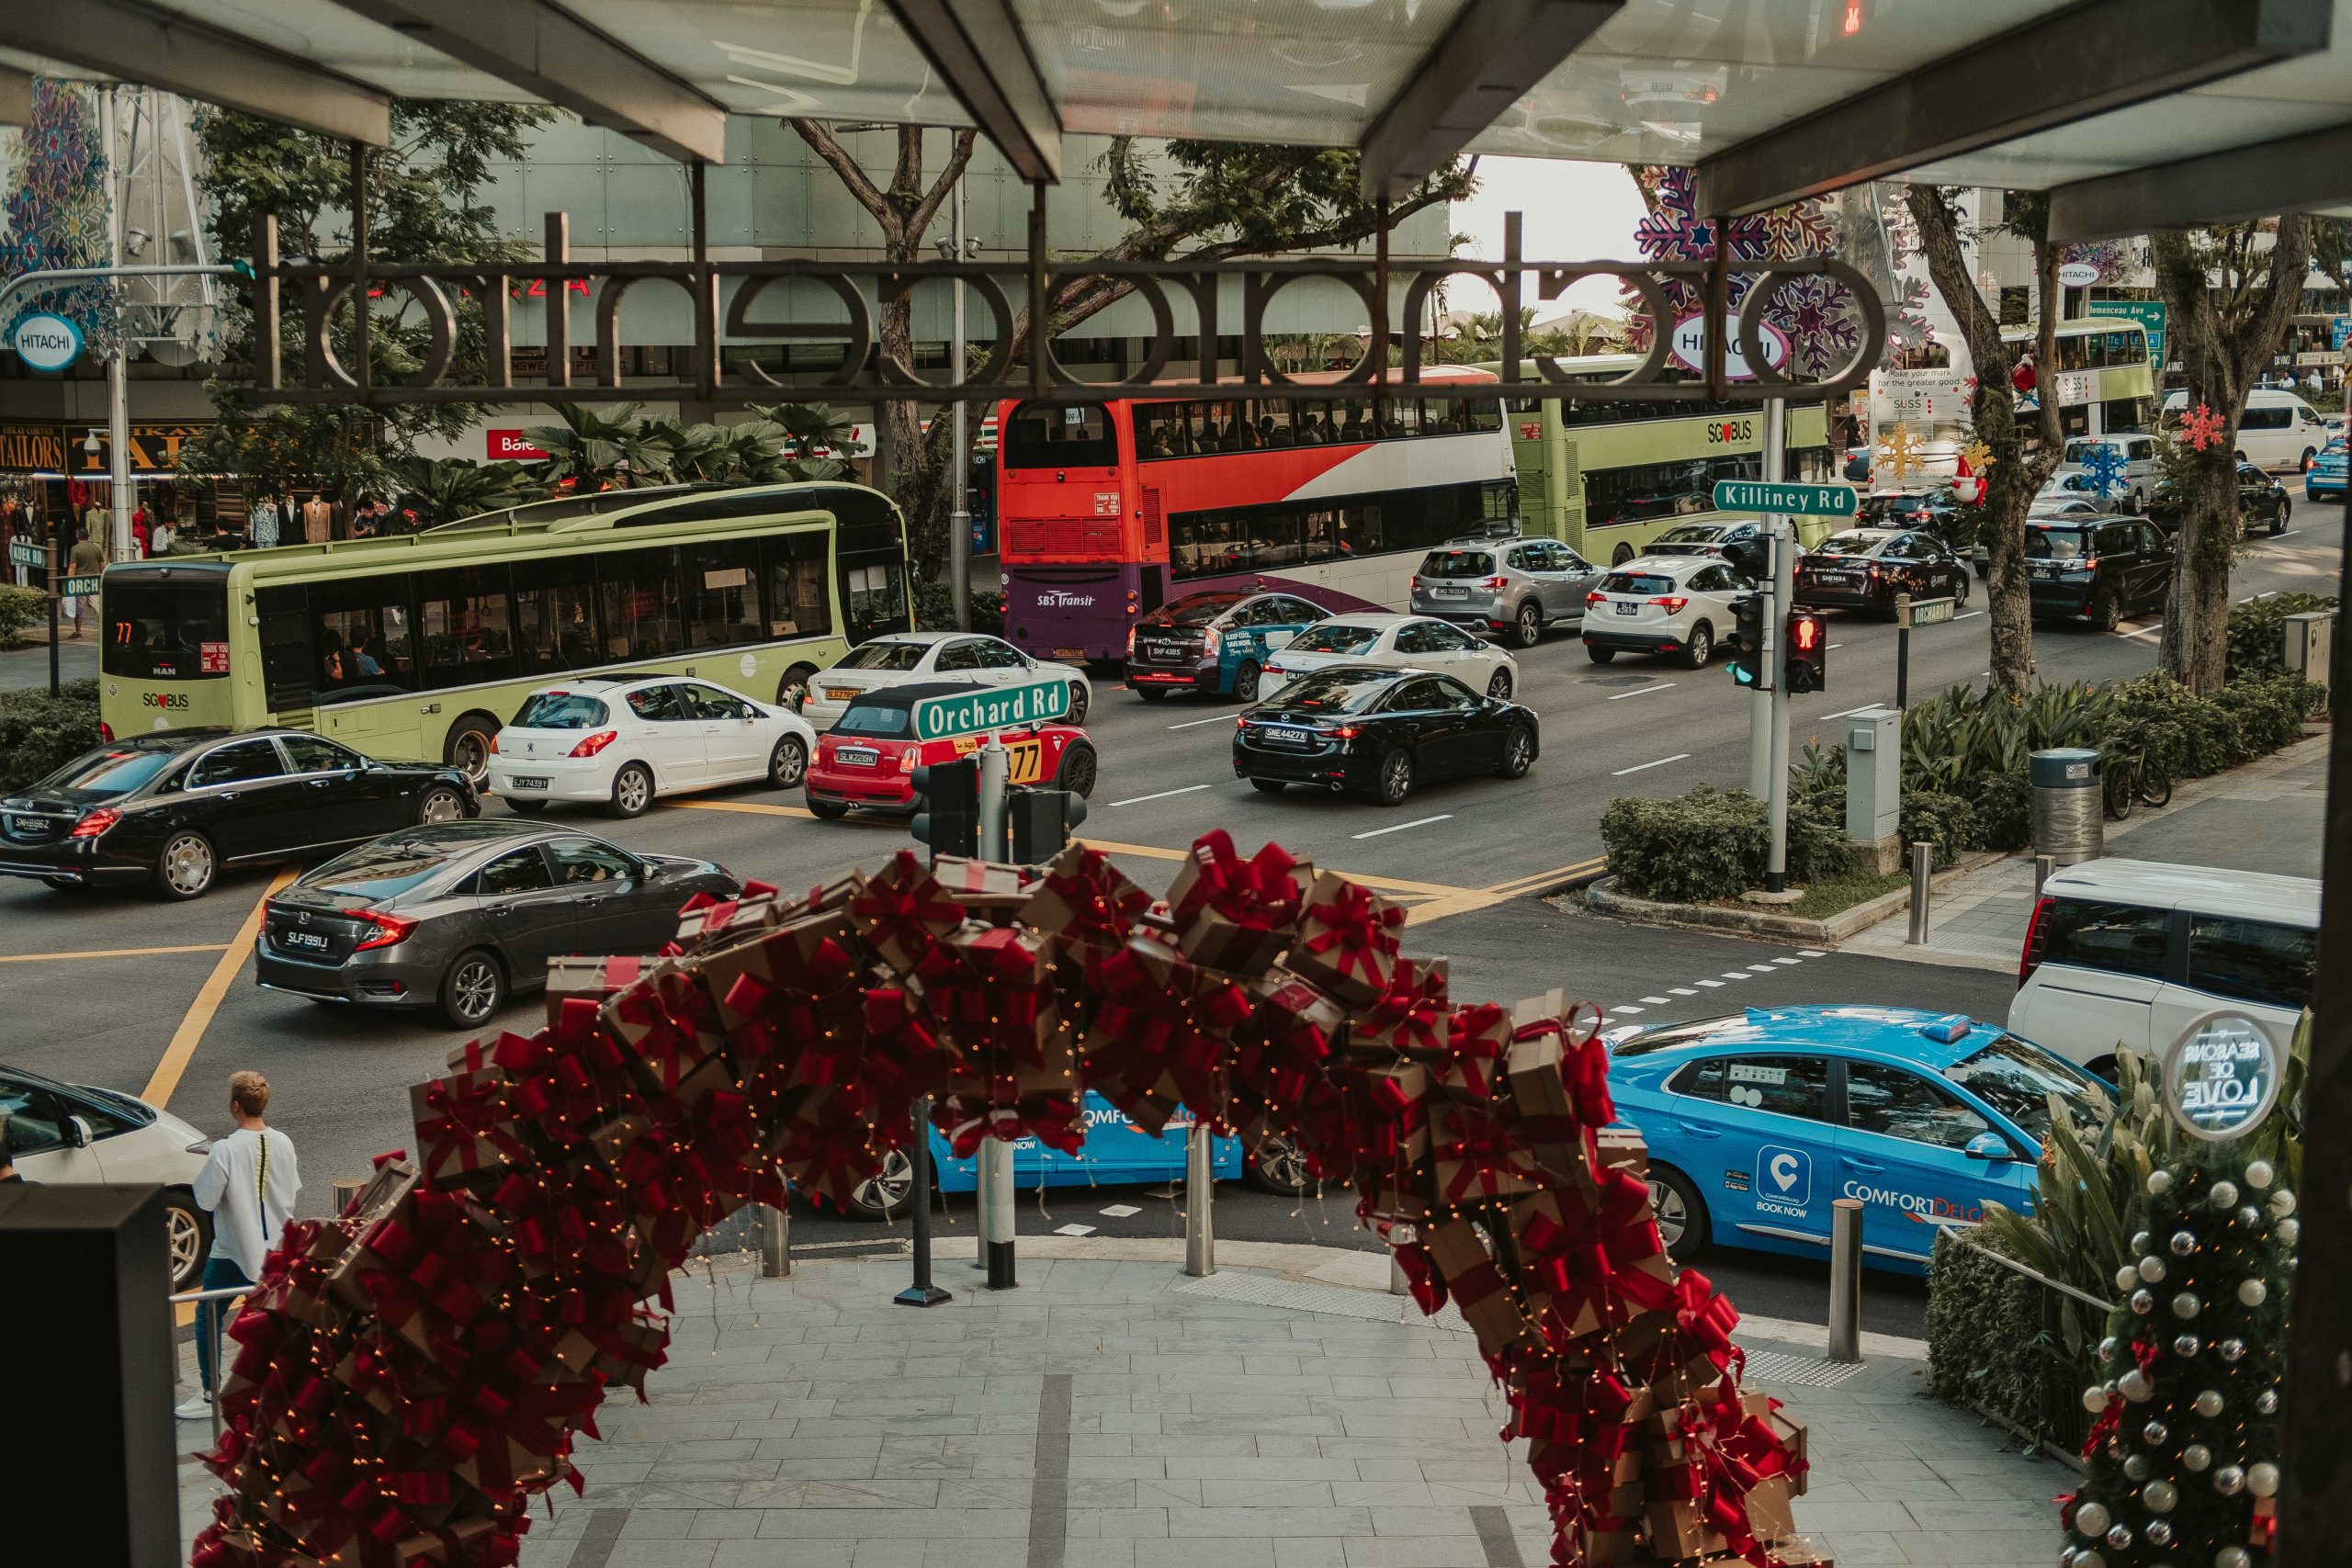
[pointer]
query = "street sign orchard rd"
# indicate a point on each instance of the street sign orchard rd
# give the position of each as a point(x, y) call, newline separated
point(2223, 1077)
point(1762, 496)
point(993, 707)
point(46, 342)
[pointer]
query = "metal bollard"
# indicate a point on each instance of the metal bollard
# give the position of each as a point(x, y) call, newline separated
point(775, 1244)
point(345, 1191)
point(1398, 1284)
point(1923, 860)
point(996, 1225)
point(1846, 1280)
point(2042, 866)
point(1200, 1231)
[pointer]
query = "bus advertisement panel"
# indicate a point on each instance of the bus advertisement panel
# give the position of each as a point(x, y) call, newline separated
point(419, 647)
point(1105, 512)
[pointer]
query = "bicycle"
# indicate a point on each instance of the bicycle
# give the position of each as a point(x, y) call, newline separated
point(2132, 778)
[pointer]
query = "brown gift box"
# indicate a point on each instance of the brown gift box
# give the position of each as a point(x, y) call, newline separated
point(1286, 1003)
point(1678, 1527)
point(592, 979)
point(1214, 939)
point(1492, 1311)
point(1412, 1081)
point(453, 1543)
point(1056, 1073)
point(984, 888)
point(1623, 1148)
point(804, 935)
point(450, 1160)
point(1768, 1508)
point(1789, 1431)
point(1386, 1036)
point(1481, 1174)
point(1368, 972)
point(1047, 910)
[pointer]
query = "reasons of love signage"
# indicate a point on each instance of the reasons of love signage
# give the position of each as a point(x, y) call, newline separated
point(1762, 496)
point(2223, 1077)
point(994, 708)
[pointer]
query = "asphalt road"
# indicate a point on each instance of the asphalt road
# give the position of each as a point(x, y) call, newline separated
point(141, 996)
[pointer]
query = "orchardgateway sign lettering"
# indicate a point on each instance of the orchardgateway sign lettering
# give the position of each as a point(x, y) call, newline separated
point(975, 713)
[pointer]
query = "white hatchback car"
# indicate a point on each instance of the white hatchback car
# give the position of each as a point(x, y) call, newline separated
point(1396, 642)
point(71, 1134)
point(902, 658)
point(1679, 604)
point(620, 743)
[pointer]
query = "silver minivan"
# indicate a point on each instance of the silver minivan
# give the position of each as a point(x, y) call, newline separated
point(1504, 590)
point(2132, 952)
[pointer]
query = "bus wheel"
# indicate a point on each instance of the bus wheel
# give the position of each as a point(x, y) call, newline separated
point(792, 691)
point(1621, 554)
point(467, 747)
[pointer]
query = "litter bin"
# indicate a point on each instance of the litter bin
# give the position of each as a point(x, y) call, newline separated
point(2069, 804)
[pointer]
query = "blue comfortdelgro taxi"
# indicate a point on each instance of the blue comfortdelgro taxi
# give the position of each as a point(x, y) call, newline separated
point(1759, 1122)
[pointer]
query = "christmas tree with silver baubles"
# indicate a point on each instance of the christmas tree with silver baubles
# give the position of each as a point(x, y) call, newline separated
point(2185, 1450)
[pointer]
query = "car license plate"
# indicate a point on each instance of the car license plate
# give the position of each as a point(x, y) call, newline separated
point(1167, 650)
point(315, 942)
point(1450, 593)
point(528, 780)
point(1624, 608)
point(1069, 653)
point(1282, 734)
point(856, 756)
point(840, 693)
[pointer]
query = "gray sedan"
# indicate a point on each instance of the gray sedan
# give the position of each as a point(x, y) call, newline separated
point(458, 916)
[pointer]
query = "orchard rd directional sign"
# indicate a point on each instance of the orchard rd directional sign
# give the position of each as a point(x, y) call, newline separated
point(993, 707)
point(1762, 496)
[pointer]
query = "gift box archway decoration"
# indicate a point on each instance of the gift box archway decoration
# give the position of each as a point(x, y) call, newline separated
point(407, 1377)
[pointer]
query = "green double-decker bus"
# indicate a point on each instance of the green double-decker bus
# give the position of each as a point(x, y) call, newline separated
point(420, 646)
point(1608, 475)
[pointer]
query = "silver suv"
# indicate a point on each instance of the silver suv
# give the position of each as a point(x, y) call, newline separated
point(1504, 589)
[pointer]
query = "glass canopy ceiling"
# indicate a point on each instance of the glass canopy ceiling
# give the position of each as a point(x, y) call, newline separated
point(1636, 81)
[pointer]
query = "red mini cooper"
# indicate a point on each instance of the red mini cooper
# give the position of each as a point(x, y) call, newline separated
point(869, 756)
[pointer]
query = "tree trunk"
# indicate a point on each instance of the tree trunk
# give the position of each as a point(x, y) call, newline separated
point(2197, 610)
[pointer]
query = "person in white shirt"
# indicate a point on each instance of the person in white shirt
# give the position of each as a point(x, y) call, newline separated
point(159, 539)
point(248, 1184)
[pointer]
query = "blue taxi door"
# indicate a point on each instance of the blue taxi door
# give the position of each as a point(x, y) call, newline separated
point(1903, 1153)
point(1116, 1152)
point(1761, 1149)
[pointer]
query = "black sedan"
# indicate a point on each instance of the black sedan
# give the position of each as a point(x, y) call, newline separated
point(2263, 502)
point(1380, 732)
point(1864, 568)
point(168, 810)
point(1744, 545)
point(457, 917)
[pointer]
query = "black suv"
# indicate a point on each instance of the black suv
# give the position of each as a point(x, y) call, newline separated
point(2096, 570)
point(2262, 502)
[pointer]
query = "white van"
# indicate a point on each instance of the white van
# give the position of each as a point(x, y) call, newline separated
point(2130, 951)
point(2138, 475)
point(2278, 429)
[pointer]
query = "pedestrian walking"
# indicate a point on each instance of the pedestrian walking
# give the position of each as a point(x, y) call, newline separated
point(248, 1185)
point(88, 559)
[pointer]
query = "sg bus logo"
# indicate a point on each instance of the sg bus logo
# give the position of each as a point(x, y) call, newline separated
point(162, 699)
point(1724, 432)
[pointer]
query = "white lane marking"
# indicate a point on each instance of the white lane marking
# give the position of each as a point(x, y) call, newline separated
point(1624, 1007)
point(1836, 646)
point(2252, 597)
point(1788, 961)
point(1713, 985)
point(1683, 991)
point(1731, 975)
point(1968, 614)
point(1643, 691)
point(1192, 723)
point(1851, 712)
point(1759, 969)
point(1655, 1001)
point(1163, 795)
point(1640, 767)
point(2144, 631)
point(1122, 1211)
point(2288, 534)
point(1811, 952)
point(1415, 822)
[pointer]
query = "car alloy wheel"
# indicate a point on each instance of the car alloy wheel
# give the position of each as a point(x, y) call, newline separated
point(187, 865)
point(632, 791)
point(1076, 772)
point(1276, 1165)
point(1701, 646)
point(1681, 1223)
point(1079, 702)
point(890, 1194)
point(1395, 778)
point(473, 991)
point(440, 805)
point(1528, 630)
point(788, 763)
point(1245, 682)
point(2107, 611)
point(1498, 685)
point(184, 1241)
point(1518, 753)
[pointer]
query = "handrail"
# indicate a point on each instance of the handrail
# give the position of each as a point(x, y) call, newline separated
point(222, 1295)
point(2033, 1274)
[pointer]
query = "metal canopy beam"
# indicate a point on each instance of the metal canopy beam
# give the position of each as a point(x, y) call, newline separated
point(552, 54)
point(976, 45)
point(2301, 173)
point(1496, 50)
point(2083, 61)
point(140, 43)
point(16, 96)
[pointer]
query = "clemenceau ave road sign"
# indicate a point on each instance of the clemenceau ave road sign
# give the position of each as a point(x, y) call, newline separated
point(1763, 496)
point(992, 707)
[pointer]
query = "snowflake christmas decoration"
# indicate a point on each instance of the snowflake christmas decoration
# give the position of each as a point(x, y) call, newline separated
point(1901, 454)
point(2203, 428)
point(54, 203)
point(2112, 257)
point(1978, 457)
point(1817, 314)
point(2109, 475)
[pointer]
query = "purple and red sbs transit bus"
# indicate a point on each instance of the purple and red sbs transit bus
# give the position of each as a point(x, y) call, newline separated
point(1105, 512)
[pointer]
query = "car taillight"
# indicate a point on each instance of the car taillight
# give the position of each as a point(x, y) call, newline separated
point(1239, 722)
point(493, 745)
point(1596, 597)
point(1672, 604)
point(106, 732)
point(1495, 582)
point(1416, 585)
point(95, 823)
point(1346, 732)
point(596, 742)
point(389, 929)
point(908, 761)
point(1210, 641)
point(1131, 642)
point(2036, 938)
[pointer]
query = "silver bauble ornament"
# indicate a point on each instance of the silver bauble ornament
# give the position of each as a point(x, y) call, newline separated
point(2091, 1519)
point(2267, 1402)
point(2159, 1182)
point(2159, 1534)
point(2183, 1242)
point(2152, 1270)
point(2186, 1304)
point(2258, 1174)
point(2208, 1403)
point(2282, 1202)
point(2137, 1467)
point(2186, 1346)
point(2143, 1302)
point(2233, 1557)
point(2262, 1480)
point(2107, 1347)
point(2160, 1496)
point(2136, 1386)
point(2223, 1195)
point(2086, 1558)
point(2126, 1277)
point(2290, 1231)
point(2231, 1349)
point(2229, 1481)
point(2095, 1399)
point(2119, 1536)
point(2196, 1456)
point(2139, 1240)
point(2253, 1293)
point(2250, 1217)
point(2155, 1433)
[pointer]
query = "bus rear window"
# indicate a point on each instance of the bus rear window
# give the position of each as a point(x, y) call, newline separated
point(1046, 435)
point(176, 631)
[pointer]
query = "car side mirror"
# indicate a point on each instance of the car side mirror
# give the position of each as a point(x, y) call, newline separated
point(78, 1132)
point(1990, 1147)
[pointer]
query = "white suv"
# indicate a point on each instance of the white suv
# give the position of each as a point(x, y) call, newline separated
point(69, 1134)
point(1678, 604)
point(2128, 952)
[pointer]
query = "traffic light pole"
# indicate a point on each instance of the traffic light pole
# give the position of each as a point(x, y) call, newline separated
point(1784, 557)
point(995, 762)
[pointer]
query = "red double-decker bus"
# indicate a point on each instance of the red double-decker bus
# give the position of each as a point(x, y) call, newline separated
point(1104, 511)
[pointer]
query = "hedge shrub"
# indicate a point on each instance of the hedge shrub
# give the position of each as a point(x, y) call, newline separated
point(21, 610)
point(40, 733)
point(1947, 821)
point(935, 610)
point(2255, 627)
point(1987, 1348)
point(1687, 849)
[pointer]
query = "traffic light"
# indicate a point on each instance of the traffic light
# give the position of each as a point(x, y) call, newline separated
point(1042, 822)
point(1808, 666)
point(949, 817)
point(1748, 656)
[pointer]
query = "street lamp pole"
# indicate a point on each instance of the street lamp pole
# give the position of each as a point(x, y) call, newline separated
point(117, 366)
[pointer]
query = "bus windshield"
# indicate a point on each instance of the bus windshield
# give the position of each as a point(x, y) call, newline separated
point(1045, 436)
point(175, 629)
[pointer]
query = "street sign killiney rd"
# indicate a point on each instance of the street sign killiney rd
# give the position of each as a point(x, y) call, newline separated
point(1763, 496)
point(990, 707)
